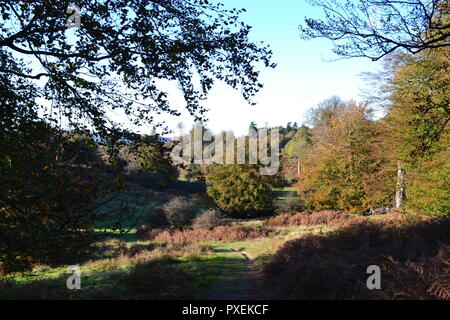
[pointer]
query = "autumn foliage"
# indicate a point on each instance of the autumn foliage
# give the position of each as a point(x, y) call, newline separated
point(343, 167)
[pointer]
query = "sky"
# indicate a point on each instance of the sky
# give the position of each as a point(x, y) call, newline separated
point(301, 80)
point(304, 76)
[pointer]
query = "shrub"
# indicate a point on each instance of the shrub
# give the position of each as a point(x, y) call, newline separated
point(179, 212)
point(156, 218)
point(239, 190)
point(208, 219)
point(147, 233)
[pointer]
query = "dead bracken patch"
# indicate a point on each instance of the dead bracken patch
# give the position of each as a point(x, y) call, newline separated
point(310, 218)
point(414, 258)
point(220, 233)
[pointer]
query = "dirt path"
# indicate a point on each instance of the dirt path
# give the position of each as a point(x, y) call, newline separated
point(239, 281)
point(255, 277)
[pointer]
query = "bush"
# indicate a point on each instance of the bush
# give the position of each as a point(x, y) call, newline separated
point(147, 233)
point(156, 218)
point(208, 219)
point(239, 190)
point(179, 212)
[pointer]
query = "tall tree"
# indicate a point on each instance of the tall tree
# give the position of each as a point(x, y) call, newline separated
point(417, 123)
point(114, 60)
point(342, 171)
point(420, 95)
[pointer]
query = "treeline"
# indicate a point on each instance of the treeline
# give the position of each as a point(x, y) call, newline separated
point(349, 160)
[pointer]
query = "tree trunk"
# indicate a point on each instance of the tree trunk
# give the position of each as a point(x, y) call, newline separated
point(400, 193)
point(298, 166)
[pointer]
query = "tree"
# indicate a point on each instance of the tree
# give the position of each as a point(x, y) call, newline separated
point(420, 95)
point(343, 169)
point(325, 111)
point(151, 160)
point(79, 148)
point(47, 204)
point(298, 145)
point(52, 77)
point(239, 190)
point(417, 127)
point(253, 126)
point(376, 28)
point(180, 127)
point(113, 60)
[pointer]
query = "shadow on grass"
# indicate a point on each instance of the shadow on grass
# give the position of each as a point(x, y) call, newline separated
point(160, 279)
point(212, 277)
point(221, 250)
point(221, 277)
point(413, 257)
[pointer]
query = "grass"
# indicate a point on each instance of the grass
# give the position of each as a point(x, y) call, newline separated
point(211, 265)
point(246, 222)
point(214, 270)
point(282, 193)
point(132, 206)
point(125, 268)
point(263, 246)
point(254, 247)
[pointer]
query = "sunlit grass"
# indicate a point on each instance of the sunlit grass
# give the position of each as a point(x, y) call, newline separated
point(210, 264)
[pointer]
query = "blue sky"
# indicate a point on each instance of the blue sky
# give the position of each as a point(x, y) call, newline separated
point(303, 76)
point(301, 80)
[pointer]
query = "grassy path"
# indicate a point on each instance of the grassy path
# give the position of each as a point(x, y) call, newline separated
point(228, 274)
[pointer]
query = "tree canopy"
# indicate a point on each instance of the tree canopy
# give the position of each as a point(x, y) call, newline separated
point(121, 51)
point(376, 28)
